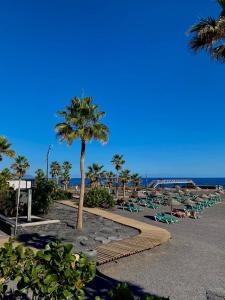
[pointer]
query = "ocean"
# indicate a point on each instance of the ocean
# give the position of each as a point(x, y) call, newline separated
point(146, 181)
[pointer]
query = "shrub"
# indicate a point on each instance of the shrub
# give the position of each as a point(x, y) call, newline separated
point(98, 197)
point(45, 192)
point(52, 273)
point(60, 194)
point(42, 196)
point(7, 197)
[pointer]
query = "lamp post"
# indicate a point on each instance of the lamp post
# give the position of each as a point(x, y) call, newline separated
point(49, 149)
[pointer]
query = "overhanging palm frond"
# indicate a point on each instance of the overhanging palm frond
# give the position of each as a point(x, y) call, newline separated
point(219, 53)
point(209, 35)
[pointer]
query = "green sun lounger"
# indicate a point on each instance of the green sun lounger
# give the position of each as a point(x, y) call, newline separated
point(166, 219)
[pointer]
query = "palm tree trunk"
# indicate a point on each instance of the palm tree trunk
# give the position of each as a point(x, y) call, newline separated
point(17, 206)
point(82, 188)
point(124, 190)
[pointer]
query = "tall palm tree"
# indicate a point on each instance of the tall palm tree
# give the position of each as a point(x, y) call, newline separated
point(20, 167)
point(5, 148)
point(65, 175)
point(136, 180)
point(109, 178)
point(82, 121)
point(94, 174)
point(118, 162)
point(125, 178)
point(209, 35)
point(55, 169)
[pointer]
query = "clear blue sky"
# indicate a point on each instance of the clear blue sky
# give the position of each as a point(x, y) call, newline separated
point(165, 105)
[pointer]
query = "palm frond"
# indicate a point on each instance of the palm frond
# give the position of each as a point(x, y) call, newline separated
point(219, 53)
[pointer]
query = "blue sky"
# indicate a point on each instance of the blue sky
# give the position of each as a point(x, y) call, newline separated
point(164, 105)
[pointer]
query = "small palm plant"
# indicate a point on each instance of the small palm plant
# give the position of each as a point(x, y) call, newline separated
point(65, 175)
point(55, 169)
point(20, 167)
point(118, 162)
point(125, 178)
point(94, 174)
point(136, 180)
point(82, 121)
point(5, 148)
point(209, 35)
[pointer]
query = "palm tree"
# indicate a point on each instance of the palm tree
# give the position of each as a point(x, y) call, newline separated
point(65, 175)
point(94, 174)
point(136, 180)
point(5, 176)
point(209, 35)
point(20, 167)
point(55, 169)
point(82, 121)
point(125, 178)
point(109, 178)
point(5, 148)
point(118, 162)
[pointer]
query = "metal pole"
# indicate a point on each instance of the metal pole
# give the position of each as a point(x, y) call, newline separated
point(49, 149)
point(29, 204)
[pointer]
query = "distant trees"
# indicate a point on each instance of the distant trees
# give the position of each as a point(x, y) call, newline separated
point(118, 162)
point(136, 180)
point(124, 179)
point(55, 170)
point(65, 174)
point(94, 174)
point(209, 35)
point(81, 120)
point(109, 178)
point(20, 167)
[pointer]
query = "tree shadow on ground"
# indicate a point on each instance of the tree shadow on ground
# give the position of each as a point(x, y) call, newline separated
point(152, 218)
point(35, 240)
point(101, 285)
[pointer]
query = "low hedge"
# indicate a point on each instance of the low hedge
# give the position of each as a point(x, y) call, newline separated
point(99, 197)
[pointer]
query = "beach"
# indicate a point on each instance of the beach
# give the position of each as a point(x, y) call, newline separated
point(189, 265)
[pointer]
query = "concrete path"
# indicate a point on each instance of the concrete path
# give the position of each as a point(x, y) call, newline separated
point(149, 237)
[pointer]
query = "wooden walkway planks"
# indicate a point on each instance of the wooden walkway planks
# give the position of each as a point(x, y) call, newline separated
point(149, 237)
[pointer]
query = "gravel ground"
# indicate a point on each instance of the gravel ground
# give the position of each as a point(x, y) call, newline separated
point(191, 263)
point(97, 230)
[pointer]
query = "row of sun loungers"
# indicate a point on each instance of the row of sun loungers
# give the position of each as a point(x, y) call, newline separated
point(192, 211)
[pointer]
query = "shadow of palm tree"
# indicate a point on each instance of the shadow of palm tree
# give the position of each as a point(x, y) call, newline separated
point(101, 285)
point(35, 240)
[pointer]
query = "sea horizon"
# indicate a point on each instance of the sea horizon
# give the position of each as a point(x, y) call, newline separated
point(146, 180)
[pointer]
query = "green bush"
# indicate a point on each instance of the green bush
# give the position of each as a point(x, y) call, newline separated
point(60, 194)
point(7, 198)
point(45, 192)
point(98, 197)
point(52, 273)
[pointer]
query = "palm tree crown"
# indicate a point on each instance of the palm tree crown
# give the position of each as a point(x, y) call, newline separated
point(81, 121)
point(55, 169)
point(20, 166)
point(136, 179)
point(5, 148)
point(118, 161)
point(94, 173)
point(125, 176)
point(209, 35)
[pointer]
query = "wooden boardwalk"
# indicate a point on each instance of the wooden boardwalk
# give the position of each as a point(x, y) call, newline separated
point(148, 238)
